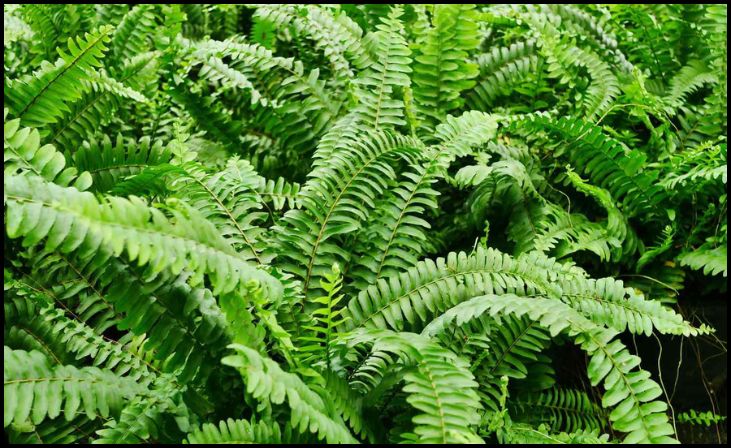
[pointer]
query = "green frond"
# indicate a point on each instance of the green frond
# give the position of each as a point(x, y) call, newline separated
point(629, 392)
point(521, 433)
point(34, 390)
point(133, 34)
point(161, 416)
point(209, 116)
point(608, 303)
point(414, 297)
point(41, 98)
point(78, 341)
point(104, 97)
point(333, 32)
point(604, 87)
point(90, 290)
point(606, 162)
point(397, 223)
point(706, 418)
point(335, 201)
point(560, 409)
point(378, 107)
point(513, 345)
point(460, 136)
point(441, 66)
point(54, 24)
point(236, 431)
point(76, 221)
point(688, 79)
point(500, 71)
point(280, 193)
point(395, 238)
point(57, 431)
point(599, 32)
point(266, 381)
point(697, 167)
point(709, 258)
point(352, 406)
point(110, 161)
point(22, 152)
point(440, 385)
point(228, 200)
point(316, 344)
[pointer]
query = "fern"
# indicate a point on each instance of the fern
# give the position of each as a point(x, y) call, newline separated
point(41, 98)
point(377, 106)
point(700, 418)
point(266, 381)
point(34, 390)
point(563, 409)
point(357, 223)
point(440, 69)
point(28, 200)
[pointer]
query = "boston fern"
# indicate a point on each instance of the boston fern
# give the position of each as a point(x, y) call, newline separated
point(354, 223)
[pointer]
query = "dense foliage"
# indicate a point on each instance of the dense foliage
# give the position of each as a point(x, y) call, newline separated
point(356, 223)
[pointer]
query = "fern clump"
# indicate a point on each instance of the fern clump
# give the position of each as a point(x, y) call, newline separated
point(356, 223)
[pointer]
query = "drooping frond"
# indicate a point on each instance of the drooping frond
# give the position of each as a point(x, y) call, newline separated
point(413, 298)
point(605, 161)
point(132, 36)
point(72, 220)
point(500, 71)
point(631, 393)
point(561, 409)
point(266, 381)
point(236, 431)
point(607, 302)
point(440, 386)
point(109, 162)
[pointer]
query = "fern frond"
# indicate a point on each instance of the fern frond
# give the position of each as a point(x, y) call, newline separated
point(334, 33)
point(77, 341)
point(413, 298)
point(706, 418)
point(132, 36)
point(228, 200)
point(334, 201)
point(236, 431)
point(377, 106)
point(560, 409)
point(606, 162)
point(316, 345)
point(395, 238)
point(266, 381)
point(607, 302)
point(441, 67)
point(143, 419)
point(109, 161)
point(34, 390)
point(440, 386)
point(709, 258)
point(22, 152)
point(280, 193)
point(74, 219)
point(41, 98)
point(630, 393)
point(501, 71)
point(104, 97)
